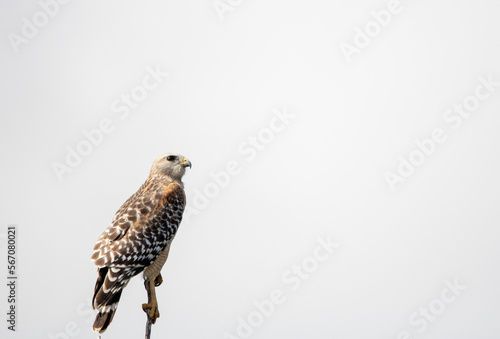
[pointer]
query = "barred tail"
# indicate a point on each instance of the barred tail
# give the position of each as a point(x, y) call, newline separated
point(107, 292)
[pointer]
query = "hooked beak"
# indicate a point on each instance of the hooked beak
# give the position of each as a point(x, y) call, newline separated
point(185, 163)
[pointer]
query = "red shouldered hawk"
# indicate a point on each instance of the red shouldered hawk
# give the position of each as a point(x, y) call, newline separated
point(139, 238)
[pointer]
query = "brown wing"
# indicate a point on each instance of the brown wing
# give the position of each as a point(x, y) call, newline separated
point(142, 227)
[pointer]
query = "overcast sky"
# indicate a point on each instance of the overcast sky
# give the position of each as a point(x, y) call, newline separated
point(345, 163)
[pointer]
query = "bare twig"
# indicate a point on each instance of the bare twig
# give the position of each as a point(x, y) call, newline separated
point(150, 320)
point(148, 328)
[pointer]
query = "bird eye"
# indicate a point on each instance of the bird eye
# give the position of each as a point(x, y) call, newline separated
point(171, 157)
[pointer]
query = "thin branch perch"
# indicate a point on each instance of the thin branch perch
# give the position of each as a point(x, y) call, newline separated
point(149, 322)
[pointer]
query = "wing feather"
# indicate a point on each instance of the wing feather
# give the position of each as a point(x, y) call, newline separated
point(141, 227)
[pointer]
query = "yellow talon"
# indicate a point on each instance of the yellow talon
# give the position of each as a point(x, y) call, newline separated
point(158, 280)
point(153, 313)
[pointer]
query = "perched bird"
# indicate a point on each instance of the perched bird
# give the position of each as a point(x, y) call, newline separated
point(139, 238)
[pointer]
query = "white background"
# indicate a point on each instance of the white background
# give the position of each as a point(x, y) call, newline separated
point(322, 175)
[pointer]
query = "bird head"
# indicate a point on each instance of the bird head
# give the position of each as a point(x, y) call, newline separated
point(170, 164)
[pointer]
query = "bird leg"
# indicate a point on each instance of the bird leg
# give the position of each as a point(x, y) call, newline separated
point(152, 304)
point(158, 280)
